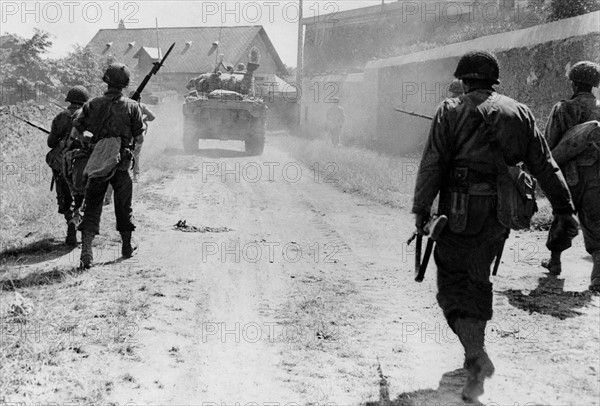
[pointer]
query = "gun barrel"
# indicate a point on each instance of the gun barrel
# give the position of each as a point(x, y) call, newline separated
point(31, 124)
point(412, 113)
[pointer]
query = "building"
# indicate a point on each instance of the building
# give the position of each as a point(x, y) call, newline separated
point(138, 48)
point(338, 46)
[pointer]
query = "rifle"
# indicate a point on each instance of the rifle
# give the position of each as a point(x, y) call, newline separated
point(433, 229)
point(58, 105)
point(157, 65)
point(31, 124)
point(412, 113)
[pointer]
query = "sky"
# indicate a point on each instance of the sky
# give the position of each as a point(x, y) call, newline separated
point(76, 22)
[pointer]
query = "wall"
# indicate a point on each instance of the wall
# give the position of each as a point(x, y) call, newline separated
point(533, 64)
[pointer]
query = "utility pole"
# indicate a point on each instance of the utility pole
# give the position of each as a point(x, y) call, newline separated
point(160, 88)
point(299, 63)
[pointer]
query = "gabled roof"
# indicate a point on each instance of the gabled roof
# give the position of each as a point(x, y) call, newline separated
point(151, 52)
point(233, 43)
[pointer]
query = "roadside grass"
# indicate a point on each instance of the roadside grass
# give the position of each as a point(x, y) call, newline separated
point(49, 329)
point(384, 179)
point(27, 206)
point(55, 318)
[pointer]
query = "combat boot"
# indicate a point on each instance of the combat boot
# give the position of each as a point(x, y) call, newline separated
point(553, 265)
point(127, 249)
point(71, 239)
point(471, 333)
point(87, 257)
point(595, 279)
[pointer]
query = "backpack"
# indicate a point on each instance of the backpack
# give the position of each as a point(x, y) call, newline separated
point(516, 187)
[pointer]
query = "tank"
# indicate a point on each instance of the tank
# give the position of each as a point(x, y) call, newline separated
point(225, 105)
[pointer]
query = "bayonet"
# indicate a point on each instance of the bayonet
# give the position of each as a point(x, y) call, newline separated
point(155, 68)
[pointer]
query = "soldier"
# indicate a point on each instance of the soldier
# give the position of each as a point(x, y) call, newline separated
point(115, 121)
point(459, 163)
point(335, 121)
point(582, 172)
point(58, 139)
point(147, 115)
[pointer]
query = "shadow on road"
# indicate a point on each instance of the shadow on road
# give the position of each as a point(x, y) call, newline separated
point(550, 298)
point(448, 393)
point(38, 279)
point(35, 252)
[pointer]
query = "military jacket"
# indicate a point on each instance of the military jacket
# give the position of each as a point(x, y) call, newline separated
point(111, 115)
point(566, 114)
point(456, 140)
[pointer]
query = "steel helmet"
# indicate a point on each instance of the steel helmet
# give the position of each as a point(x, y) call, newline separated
point(78, 95)
point(585, 72)
point(478, 65)
point(117, 75)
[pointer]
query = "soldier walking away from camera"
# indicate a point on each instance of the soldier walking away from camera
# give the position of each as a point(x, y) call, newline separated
point(59, 140)
point(469, 137)
point(115, 121)
point(583, 171)
point(147, 115)
point(335, 121)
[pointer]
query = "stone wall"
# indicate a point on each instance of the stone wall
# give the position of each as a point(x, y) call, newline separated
point(533, 64)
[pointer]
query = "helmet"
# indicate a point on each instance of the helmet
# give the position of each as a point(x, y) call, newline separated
point(478, 65)
point(117, 75)
point(585, 72)
point(241, 67)
point(78, 95)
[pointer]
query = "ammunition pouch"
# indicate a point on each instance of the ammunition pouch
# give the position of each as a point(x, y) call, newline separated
point(467, 201)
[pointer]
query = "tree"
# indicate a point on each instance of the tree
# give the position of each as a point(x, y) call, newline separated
point(560, 9)
point(80, 67)
point(25, 59)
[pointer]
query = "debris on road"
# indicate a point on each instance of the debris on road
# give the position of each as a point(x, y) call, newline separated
point(182, 226)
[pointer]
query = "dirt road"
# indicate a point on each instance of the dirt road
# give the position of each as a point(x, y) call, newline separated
point(290, 291)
